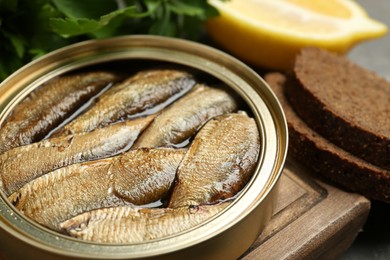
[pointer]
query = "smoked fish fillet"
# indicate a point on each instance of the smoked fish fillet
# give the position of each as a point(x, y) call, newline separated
point(182, 119)
point(78, 188)
point(134, 225)
point(219, 162)
point(49, 105)
point(142, 91)
point(22, 164)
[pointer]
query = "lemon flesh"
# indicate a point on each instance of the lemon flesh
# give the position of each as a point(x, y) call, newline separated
point(269, 33)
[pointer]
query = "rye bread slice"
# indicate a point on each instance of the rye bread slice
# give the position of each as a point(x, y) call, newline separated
point(327, 159)
point(344, 102)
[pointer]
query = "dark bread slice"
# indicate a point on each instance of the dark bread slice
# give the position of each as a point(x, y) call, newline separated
point(327, 159)
point(344, 102)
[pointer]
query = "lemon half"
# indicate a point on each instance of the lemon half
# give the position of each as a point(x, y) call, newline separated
point(269, 33)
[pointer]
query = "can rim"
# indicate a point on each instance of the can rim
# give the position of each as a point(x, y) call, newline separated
point(247, 83)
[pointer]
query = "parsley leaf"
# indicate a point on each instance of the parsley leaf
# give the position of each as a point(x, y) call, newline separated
point(30, 29)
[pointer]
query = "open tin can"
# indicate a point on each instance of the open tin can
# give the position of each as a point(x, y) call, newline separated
point(225, 236)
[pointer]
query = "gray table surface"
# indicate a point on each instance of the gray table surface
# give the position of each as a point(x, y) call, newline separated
point(373, 242)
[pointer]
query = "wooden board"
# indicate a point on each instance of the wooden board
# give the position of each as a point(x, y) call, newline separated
point(313, 219)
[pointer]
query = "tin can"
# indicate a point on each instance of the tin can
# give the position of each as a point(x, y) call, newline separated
point(226, 236)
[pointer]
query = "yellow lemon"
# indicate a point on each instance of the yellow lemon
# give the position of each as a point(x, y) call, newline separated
point(269, 33)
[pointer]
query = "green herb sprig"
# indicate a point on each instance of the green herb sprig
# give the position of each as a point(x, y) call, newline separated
point(30, 29)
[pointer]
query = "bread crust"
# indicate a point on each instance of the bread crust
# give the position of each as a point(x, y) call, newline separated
point(323, 157)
